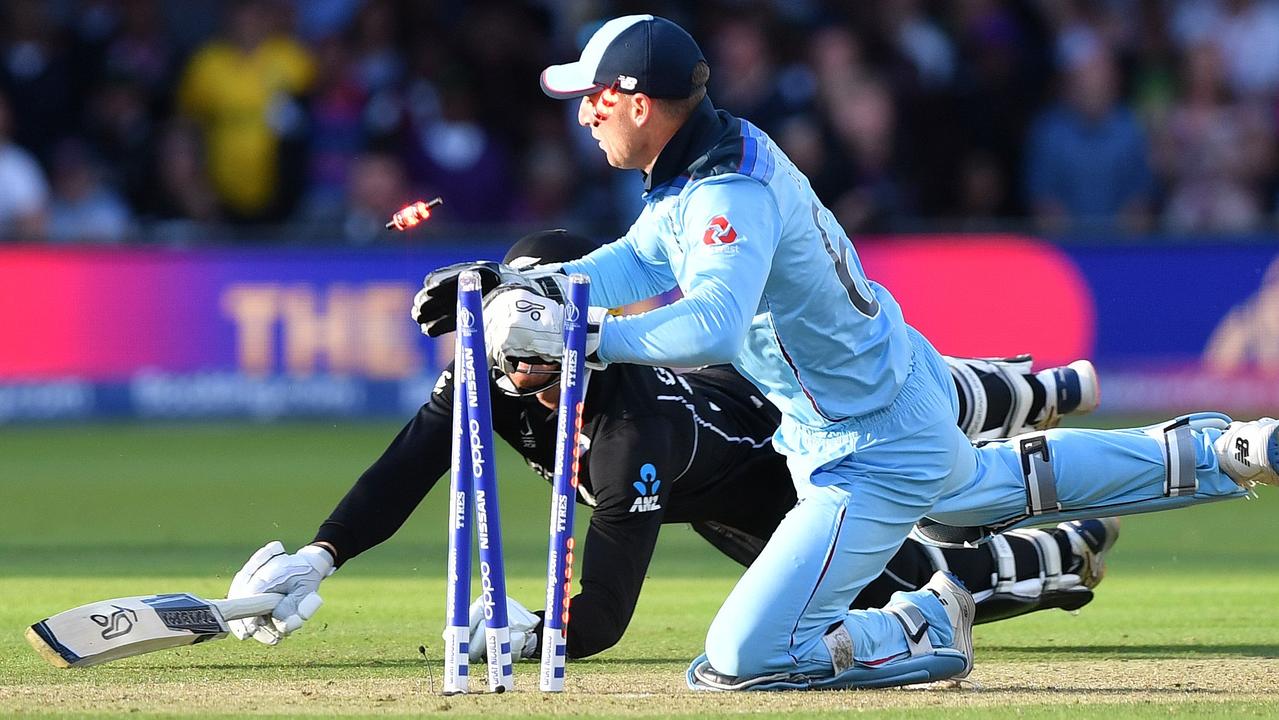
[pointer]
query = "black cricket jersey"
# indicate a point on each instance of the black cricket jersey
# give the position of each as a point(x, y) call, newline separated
point(658, 447)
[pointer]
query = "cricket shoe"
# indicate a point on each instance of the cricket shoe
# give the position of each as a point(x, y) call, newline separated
point(701, 676)
point(1070, 390)
point(1090, 540)
point(960, 611)
point(925, 664)
point(1248, 452)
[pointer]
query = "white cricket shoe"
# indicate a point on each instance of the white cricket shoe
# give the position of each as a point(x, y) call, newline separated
point(960, 610)
point(1070, 390)
point(1248, 452)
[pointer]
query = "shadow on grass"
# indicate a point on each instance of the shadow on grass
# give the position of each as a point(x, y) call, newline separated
point(294, 666)
point(625, 662)
point(602, 664)
point(1175, 689)
point(1057, 652)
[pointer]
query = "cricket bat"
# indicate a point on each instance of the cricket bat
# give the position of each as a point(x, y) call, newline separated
point(112, 629)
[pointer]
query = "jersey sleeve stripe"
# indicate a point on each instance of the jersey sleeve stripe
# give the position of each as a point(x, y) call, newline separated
point(750, 149)
point(754, 135)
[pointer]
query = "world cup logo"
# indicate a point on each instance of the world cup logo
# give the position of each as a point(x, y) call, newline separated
point(571, 313)
point(466, 318)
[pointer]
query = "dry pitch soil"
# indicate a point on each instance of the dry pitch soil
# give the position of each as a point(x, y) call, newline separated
point(1216, 686)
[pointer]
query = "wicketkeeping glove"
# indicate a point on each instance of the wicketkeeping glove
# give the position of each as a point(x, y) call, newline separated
point(521, 325)
point(435, 305)
point(526, 630)
point(296, 576)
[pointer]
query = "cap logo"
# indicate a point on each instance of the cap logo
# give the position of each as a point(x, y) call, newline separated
point(626, 82)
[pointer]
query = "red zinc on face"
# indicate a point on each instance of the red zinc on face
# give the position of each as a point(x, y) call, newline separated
point(604, 105)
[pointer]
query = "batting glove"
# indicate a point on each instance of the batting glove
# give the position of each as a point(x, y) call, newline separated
point(435, 305)
point(521, 325)
point(526, 630)
point(296, 576)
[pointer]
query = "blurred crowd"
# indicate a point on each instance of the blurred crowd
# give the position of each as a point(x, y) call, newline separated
point(185, 121)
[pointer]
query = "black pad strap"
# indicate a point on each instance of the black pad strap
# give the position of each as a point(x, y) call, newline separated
point(949, 536)
point(1179, 459)
point(1037, 471)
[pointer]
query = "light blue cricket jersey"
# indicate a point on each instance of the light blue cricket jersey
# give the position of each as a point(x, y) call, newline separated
point(770, 281)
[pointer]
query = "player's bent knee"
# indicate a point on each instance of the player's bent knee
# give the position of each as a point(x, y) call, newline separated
point(730, 650)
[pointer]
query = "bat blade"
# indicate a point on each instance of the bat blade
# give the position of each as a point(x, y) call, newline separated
point(124, 627)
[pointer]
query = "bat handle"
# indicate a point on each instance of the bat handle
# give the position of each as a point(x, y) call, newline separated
point(248, 606)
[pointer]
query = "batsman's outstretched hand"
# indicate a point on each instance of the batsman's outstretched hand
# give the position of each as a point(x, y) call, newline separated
point(521, 325)
point(296, 576)
point(435, 305)
point(526, 630)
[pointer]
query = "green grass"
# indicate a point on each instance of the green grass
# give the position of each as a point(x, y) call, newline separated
point(1183, 623)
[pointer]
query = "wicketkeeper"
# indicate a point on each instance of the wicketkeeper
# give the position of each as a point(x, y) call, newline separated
point(666, 447)
point(771, 283)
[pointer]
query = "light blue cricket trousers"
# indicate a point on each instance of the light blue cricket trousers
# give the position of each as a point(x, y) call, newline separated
point(890, 469)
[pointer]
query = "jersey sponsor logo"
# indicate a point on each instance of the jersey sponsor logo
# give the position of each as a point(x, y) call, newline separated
point(719, 232)
point(647, 487)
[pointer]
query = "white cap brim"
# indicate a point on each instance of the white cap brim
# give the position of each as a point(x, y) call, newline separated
point(570, 80)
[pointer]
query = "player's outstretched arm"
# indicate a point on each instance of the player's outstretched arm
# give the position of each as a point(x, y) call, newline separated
point(723, 281)
point(629, 269)
point(372, 510)
point(393, 486)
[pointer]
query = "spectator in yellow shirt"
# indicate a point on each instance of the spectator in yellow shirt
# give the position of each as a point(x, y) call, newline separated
point(242, 91)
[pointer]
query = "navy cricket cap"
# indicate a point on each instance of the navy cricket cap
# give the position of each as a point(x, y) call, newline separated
point(635, 54)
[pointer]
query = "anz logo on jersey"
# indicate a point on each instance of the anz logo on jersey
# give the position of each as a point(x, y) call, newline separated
point(647, 487)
